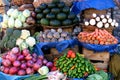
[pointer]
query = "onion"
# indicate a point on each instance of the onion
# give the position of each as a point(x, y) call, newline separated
point(97, 18)
point(30, 63)
point(45, 61)
point(34, 60)
point(33, 14)
point(6, 70)
point(12, 57)
point(92, 22)
point(13, 70)
point(2, 68)
point(86, 23)
point(6, 63)
point(104, 20)
point(34, 55)
point(16, 63)
point(116, 24)
point(94, 15)
point(102, 16)
point(109, 20)
point(112, 24)
point(49, 64)
point(36, 66)
point(20, 57)
point(107, 25)
point(15, 50)
point(21, 72)
point(23, 66)
point(4, 56)
point(28, 57)
point(25, 52)
point(39, 62)
point(41, 57)
point(108, 16)
point(100, 24)
point(29, 71)
point(23, 61)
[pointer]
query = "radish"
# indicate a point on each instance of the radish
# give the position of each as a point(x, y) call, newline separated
point(16, 63)
point(15, 50)
point(13, 70)
point(25, 52)
point(21, 72)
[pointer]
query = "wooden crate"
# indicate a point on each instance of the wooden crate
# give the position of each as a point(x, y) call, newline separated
point(55, 54)
point(99, 59)
point(88, 13)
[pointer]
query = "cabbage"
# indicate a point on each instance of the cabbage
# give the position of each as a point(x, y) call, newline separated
point(11, 22)
point(18, 23)
point(10, 11)
point(23, 45)
point(94, 77)
point(4, 25)
point(24, 34)
point(21, 17)
point(43, 70)
point(25, 25)
point(19, 41)
point(5, 18)
point(31, 41)
point(26, 13)
point(15, 13)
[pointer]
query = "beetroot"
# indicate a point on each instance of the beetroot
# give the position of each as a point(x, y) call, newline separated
point(21, 72)
point(16, 63)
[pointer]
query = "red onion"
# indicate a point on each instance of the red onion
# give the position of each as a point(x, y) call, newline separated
point(21, 72)
point(4, 55)
point(25, 52)
point(16, 63)
point(34, 55)
point(6, 70)
point(30, 63)
point(45, 61)
point(41, 57)
point(23, 61)
point(34, 60)
point(29, 71)
point(23, 66)
point(28, 57)
point(13, 70)
point(15, 50)
point(12, 57)
point(20, 57)
point(49, 64)
point(39, 62)
point(36, 66)
point(2, 68)
point(6, 62)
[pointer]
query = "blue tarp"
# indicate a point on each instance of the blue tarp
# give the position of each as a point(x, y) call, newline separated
point(60, 46)
point(80, 5)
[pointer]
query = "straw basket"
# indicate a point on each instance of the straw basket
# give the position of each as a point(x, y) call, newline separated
point(21, 2)
point(88, 13)
point(99, 59)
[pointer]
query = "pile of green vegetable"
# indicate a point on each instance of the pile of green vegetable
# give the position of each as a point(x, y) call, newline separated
point(74, 65)
point(9, 39)
point(55, 14)
point(100, 75)
point(36, 77)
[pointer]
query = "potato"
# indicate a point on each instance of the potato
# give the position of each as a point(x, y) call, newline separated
point(56, 35)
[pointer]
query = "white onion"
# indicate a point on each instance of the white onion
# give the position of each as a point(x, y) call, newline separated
point(92, 22)
point(97, 18)
point(108, 16)
point(107, 25)
point(102, 16)
point(104, 20)
point(109, 20)
point(114, 20)
point(86, 23)
point(116, 24)
point(94, 15)
point(100, 24)
point(112, 24)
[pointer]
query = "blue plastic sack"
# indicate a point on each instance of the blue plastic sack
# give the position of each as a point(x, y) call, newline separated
point(80, 5)
point(60, 46)
point(100, 48)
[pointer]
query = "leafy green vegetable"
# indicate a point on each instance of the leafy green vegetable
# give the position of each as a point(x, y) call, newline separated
point(9, 31)
point(33, 77)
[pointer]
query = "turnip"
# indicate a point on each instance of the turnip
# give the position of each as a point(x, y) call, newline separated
point(21, 72)
point(16, 63)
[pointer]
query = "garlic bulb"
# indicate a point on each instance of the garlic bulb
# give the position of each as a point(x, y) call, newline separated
point(109, 20)
point(86, 23)
point(116, 24)
point(104, 20)
point(102, 16)
point(94, 15)
point(92, 22)
point(100, 24)
point(112, 24)
point(107, 25)
point(97, 18)
point(108, 16)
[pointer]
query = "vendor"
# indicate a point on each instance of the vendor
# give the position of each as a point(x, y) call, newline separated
point(6, 5)
point(118, 3)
